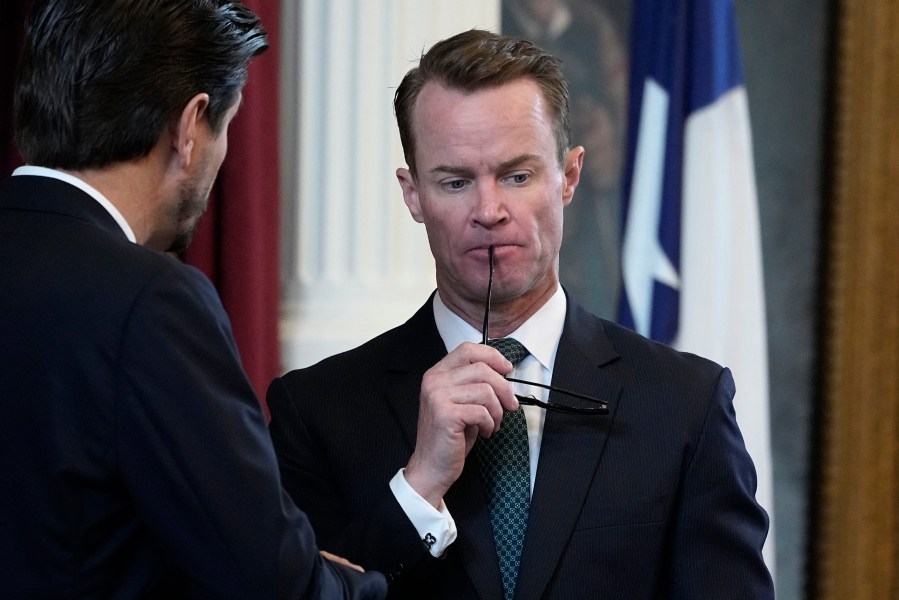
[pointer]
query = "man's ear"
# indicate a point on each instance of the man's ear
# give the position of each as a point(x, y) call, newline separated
point(184, 140)
point(410, 193)
point(574, 162)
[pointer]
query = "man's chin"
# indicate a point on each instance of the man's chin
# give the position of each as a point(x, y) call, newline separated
point(182, 241)
point(185, 234)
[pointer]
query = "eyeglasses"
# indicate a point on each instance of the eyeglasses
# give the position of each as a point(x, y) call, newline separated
point(601, 408)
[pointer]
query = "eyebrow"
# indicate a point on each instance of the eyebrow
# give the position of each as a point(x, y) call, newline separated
point(517, 161)
point(450, 170)
point(503, 166)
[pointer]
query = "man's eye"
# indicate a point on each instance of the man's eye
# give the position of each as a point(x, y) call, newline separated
point(455, 184)
point(519, 178)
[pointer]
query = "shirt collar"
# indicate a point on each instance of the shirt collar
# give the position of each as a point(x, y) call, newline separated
point(539, 334)
point(84, 187)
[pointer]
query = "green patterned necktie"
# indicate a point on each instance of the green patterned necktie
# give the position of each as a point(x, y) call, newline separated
point(506, 472)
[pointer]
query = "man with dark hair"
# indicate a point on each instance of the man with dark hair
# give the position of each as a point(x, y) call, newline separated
point(615, 470)
point(135, 457)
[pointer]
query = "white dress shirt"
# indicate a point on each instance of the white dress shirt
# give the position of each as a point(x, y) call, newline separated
point(540, 335)
point(83, 186)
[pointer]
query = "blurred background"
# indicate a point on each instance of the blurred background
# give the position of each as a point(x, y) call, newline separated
point(313, 251)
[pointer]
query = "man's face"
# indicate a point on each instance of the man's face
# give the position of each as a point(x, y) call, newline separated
point(193, 197)
point(489, 174)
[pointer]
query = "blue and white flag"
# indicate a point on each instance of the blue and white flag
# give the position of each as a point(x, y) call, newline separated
point(691, 256)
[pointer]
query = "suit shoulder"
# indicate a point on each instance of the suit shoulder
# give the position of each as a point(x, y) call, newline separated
point(631, 344)
point(150, 278)
point(647, 366)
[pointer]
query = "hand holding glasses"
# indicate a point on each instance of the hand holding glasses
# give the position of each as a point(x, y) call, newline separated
point(601, 408)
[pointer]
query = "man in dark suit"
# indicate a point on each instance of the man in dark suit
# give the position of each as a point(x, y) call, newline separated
point(134, 457)
point(642, 489)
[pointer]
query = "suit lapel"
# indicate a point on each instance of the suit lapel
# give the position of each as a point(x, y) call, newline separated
point(570, 450)
point(418, 348)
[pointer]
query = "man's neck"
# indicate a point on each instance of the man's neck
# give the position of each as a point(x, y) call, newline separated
point(505, 315)
point(132, 188)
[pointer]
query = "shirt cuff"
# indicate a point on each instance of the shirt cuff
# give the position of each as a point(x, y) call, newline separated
point(435, 527)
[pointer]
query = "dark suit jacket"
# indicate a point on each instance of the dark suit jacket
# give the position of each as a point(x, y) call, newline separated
point(655, 500)
point(134, 457)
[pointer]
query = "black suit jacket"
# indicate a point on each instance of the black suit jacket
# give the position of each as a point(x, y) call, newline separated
point(134, 457)
point(655, 500)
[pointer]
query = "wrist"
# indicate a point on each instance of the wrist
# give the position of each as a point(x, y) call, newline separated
point(424, 485)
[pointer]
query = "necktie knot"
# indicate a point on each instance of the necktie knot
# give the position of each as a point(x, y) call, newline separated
point(511, 349)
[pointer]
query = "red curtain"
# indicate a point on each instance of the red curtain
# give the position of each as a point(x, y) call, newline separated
point(237, 242)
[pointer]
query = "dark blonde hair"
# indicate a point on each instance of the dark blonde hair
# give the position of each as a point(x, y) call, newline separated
point(478, 59)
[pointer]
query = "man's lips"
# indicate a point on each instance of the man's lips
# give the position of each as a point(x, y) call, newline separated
point(498, 248)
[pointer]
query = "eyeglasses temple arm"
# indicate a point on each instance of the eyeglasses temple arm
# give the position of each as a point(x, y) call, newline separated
point(489, 289)
point(555, 389)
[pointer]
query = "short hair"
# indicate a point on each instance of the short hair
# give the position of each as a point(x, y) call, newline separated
point(100, 80)
point(478, 59)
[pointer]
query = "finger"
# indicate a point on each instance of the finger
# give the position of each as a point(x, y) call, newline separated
point(341, 560)
point(472, 384)
point(457, 408)
point(500, 387)
point(480, 354)
point(478, 421)
point(466, 374)
point(468, 353)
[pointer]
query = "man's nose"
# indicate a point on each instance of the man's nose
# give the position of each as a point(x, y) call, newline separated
point(490, 204)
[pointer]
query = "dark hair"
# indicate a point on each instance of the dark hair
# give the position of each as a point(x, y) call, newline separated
point(478, 59)
point(100, 80)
